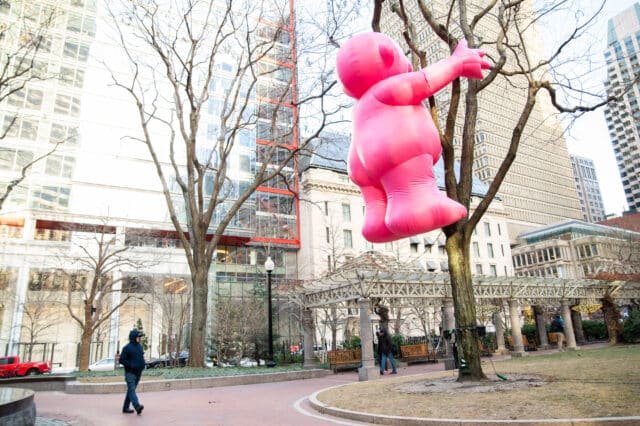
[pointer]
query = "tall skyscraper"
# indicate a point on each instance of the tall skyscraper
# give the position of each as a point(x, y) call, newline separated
point(539, 188)
point(588, 189)
point(623, 118)
point(99, 176)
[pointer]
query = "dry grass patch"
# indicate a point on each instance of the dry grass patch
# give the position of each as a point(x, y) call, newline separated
point(603, 382)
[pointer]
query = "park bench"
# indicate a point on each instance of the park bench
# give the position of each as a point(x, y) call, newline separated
point(484, 350)
point(417, 353)
point(345, 357)
point(525, 342)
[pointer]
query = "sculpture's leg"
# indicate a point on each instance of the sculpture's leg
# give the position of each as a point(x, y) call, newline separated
point(414, 202)
point(375, 201)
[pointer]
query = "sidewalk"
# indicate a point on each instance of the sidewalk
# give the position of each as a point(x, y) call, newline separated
point(280, 403)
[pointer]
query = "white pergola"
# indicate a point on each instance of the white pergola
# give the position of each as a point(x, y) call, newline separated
point(373, 275)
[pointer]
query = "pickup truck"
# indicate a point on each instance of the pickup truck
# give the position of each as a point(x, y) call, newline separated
point(11, 366)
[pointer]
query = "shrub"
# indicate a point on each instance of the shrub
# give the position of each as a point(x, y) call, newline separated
point(631, 328)
point(397, 340)
point(594, 330)
point(353, 343)
point(531, 332)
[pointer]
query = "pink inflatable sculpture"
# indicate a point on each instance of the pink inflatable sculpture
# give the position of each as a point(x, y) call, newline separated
point(395, 142)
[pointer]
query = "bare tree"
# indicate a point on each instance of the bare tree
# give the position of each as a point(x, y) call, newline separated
point(25, 37)
point(96, 266)
point(40, 314)
point(518, 64)
point(240, 328)
point(208, 78)
point(174, 297)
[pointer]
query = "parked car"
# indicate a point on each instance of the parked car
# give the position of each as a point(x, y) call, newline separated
point(167, 361)
point(105, 364)
point(11, 366)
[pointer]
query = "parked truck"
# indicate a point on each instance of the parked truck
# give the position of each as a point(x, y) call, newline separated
point(11, 366)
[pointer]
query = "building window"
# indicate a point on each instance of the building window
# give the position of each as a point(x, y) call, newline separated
point(348, 242)
point(493, 270)
point(346, 212)
point(328, 234)
point(67, 105)
point(478, 269)
point(476, 249)
point(490, 250)
point(414, 248)
point(499, 230)
point(487, 229)
point(326, 208)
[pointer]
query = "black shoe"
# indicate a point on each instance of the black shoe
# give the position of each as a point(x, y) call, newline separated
point(127, 410)
point(381, 373)
point(139, 409)
point(394, 372)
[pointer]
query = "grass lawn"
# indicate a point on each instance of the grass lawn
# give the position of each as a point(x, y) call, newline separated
point(602, 382)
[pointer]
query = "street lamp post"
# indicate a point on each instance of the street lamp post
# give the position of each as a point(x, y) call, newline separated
point(268, 266)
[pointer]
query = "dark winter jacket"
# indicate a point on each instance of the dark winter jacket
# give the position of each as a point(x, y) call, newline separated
point(385, 345)
point(556, 326)
point(132, 355)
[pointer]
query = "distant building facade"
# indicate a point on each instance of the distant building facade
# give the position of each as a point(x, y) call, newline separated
point(576, 249)
point(588, 189)
point(623, 117)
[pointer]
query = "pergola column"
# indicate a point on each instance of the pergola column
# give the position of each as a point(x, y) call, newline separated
point(497, 322)
point(541, 326)
point(516, 333)
point(367, 370)
point(308, 329)
point(568, 326)
point(448, 323)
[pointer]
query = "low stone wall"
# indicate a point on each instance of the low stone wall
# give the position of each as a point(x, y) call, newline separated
point(17, 407)
point(40, 383)
point(76, 387)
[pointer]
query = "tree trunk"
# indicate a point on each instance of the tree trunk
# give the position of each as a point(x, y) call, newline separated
point(465, 308)
point(199, 317)
point(611, 315)
point(85, 349)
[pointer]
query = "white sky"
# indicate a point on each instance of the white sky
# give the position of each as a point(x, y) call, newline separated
point(589, 136)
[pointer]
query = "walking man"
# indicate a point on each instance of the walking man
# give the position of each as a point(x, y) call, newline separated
point(132, 358)
point(385, 347)
point(557, 327)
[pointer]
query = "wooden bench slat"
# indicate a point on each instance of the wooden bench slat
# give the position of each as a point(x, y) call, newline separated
point(416, 352)
point(344, 357)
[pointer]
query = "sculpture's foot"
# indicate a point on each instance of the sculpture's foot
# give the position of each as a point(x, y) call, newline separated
point(414, 203)
point(374, 229)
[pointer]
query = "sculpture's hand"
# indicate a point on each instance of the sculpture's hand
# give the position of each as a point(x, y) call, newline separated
point(471, 60)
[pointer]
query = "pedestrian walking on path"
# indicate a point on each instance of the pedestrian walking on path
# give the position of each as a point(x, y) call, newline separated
point(557, 327)
point(132, 358)
point(385, 346)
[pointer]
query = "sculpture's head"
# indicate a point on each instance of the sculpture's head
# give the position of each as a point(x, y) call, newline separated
point(366, 59)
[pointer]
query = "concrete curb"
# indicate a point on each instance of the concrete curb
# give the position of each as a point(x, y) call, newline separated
point(76, 387)
point(383, 419)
